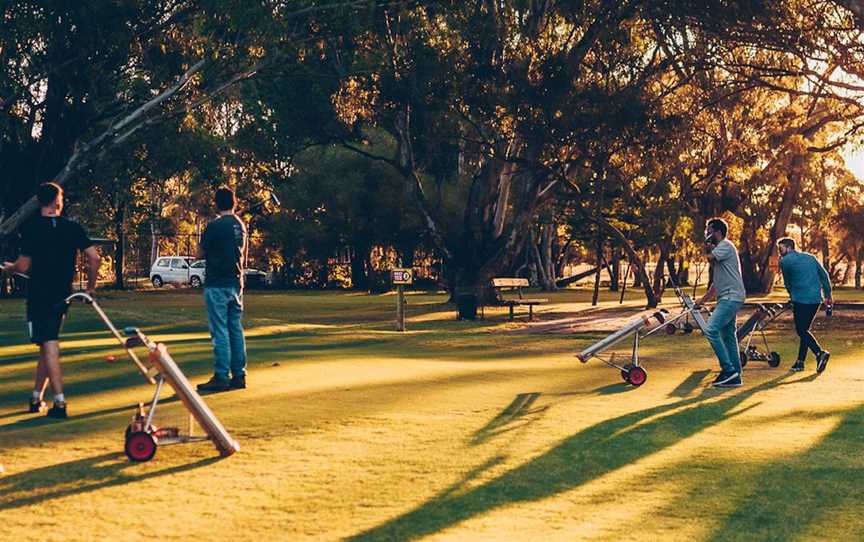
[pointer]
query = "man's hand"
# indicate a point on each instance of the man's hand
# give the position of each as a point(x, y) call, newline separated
point(8, 268)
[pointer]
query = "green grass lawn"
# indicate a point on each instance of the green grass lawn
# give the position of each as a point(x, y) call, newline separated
point(448, 431)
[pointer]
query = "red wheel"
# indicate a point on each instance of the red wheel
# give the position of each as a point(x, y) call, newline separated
point(743, 355)
point(140, 447)
point(670, 329)
point(637, 376)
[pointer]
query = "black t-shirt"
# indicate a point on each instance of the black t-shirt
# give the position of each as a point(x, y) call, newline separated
point(223, 243)
point(52, 244)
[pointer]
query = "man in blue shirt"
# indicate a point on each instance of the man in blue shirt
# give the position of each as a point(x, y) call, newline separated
point(806, 280)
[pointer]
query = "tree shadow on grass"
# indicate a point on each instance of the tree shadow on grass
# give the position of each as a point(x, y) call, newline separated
point(502, 423)
point(793, 494)
point(689, 384)
point(585, 456)
point(79, 477)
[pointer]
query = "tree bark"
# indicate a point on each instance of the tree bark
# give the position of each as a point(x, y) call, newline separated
point(120, 250)
point(360, 268)
point(615, 270)
point(859, 258)
point(659, 272)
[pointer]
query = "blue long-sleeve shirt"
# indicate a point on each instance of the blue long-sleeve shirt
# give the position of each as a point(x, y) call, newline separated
point(805, 278)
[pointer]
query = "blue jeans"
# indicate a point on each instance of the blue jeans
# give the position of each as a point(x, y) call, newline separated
point(224, 310)
point(720, 332)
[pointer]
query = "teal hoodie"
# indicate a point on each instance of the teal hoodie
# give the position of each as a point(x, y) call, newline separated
point(805, 278)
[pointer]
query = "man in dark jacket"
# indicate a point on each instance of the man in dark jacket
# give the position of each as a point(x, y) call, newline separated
point(224, 247)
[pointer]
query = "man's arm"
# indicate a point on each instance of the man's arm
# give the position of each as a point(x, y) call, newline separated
point(21, 265)
point(825, 281)
point(709, 295)
point(92, 256)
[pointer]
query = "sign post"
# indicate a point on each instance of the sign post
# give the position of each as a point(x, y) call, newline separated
point(400, 278)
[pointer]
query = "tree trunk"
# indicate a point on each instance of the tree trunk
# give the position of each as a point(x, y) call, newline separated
point(683, 271)
point(360, 268)
point(826, 255)
point(120, 250)
point(859, 258)
point(599, 250)
point(154, 242)
point(615, 270)
point(659, 284)
point(547, 241)
point(756, 268)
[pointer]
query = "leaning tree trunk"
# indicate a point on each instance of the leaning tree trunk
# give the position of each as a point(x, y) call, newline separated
point(757, 271)
point(636, 263)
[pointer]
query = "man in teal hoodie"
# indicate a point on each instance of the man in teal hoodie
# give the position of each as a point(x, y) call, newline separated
point(806, 280)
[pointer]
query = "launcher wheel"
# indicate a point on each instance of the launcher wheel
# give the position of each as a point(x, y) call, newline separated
point(773, 359)
point(637, 376)
point(140, 447)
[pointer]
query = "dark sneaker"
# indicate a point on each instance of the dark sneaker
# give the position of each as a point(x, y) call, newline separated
point(215, 384)
point(732, 380)
point(721, 377)
point(37, 406)
point(57, 411)
point(822, 360)
point(799, 366)
point(238, 382)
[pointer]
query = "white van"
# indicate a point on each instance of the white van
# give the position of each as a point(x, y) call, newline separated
point(177, 270)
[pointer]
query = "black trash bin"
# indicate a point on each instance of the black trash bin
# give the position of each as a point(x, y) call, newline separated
point(467, 306)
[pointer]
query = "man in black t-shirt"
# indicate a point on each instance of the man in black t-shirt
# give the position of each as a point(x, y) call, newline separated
point(224, 247)
point(49, 246)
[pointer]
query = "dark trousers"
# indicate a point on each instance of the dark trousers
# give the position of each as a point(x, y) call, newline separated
point(804, 315)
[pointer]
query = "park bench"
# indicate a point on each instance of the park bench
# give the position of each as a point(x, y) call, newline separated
point(502, 284)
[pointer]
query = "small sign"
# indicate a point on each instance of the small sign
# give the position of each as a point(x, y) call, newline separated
point(402, 276)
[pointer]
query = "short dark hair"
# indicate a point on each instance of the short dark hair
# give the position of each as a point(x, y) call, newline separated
point(787, 242)
point(718, 224)
point(47, 193)
point(225, 199)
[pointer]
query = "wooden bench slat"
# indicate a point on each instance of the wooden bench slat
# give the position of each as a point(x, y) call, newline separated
point(509, 282)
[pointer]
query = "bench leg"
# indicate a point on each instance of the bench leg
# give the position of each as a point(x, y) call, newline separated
point(511, 313)
point(530, 312)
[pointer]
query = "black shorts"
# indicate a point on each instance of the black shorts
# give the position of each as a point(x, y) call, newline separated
point(44, 322)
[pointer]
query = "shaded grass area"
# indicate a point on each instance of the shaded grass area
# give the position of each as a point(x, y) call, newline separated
point(452, 430)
